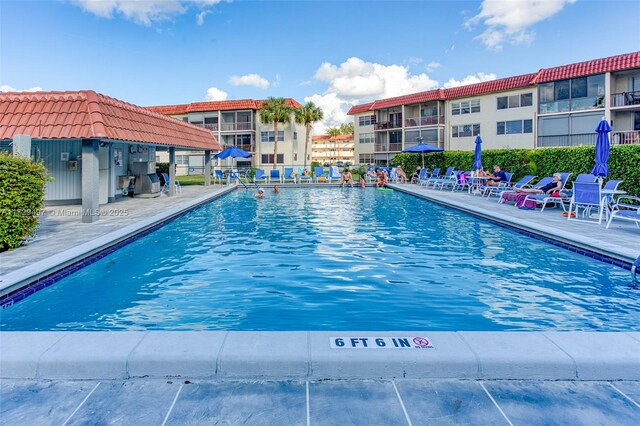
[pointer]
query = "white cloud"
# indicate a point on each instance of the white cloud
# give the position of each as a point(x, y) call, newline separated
point(5, 88)
point(215, 94)
point(254, 80)
point(306, 83)
point(508, 21)
point(200, 17)
point(433, 65)
point(144, 12)
point(334, 110)
point(470, 79)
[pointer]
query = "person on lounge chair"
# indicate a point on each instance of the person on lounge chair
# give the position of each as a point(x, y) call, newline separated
point(415, 178)
point(554, 186)
point(401, 174)
point(305, 173)
point(347, 178)
point(496, 177)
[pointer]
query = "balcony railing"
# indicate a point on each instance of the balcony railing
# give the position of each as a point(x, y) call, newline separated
point(625, 99)
point(213, 127)
point(428, 120)
point(236, 126)
point(567, 140)
point(388, 125)
point(630, 137)
point(388, 147)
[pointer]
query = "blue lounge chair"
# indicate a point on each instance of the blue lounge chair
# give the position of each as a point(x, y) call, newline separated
point(319, 173)
point(428, 176)
point(288, 172)
point(421, 176)
point(446, 176)
point(522, 183)
point(334, 173)
point(544, 181)
point(217, 176)
point(502, 185)
point(260, 176)
point(274, 175)
point(448, 180)
point(623, 209)
point(545, 199)
point(302, 178)
point(166, 186)
point(586, 195)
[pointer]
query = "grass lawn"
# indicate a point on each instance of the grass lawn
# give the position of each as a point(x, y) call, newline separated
point(190, 180)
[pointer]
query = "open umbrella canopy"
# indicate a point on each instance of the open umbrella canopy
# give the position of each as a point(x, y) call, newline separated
point(477, 154)
point(602, 149)
point(233, 152)
point(421, 148)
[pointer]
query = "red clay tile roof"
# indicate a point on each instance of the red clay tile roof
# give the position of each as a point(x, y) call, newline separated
point(215, 106)
point(335, 138)
point(596, 66)
point(87, 114)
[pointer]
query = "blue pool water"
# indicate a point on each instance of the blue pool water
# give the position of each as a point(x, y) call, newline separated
point(334, 259)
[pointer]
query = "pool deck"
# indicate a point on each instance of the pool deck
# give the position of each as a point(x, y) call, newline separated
point(160, 377)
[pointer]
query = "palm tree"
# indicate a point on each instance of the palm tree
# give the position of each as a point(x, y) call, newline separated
point(333, 132)
point(275, 110)
point(347, 128)
point(307, 115)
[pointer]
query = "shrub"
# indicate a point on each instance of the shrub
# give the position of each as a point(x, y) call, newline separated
point(21, 199)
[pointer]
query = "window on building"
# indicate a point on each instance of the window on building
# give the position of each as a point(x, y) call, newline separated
point(268, 136)
point(636, 120)
point(514, 127)
point(366, 138)
point(268, 158)
point(367, 158)
point(465, 107)
point(395, 137)
point(366, 120)
point(576, 94)
point(465, 130)
point(515, 101)
point(182, 160)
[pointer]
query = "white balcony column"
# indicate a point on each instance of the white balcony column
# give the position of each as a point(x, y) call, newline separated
point(172, 171)
point(207, 167)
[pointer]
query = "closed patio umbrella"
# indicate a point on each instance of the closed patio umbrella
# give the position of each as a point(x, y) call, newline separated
point(477, 155)
point(421, 148)
point(602, 149)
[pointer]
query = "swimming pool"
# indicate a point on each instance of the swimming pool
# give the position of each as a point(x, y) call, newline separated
point(334, 259)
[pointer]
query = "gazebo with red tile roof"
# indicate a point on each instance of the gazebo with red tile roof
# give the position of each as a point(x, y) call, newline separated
point(71, 126)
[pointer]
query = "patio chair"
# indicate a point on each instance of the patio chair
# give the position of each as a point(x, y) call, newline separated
point(509, 195)
point(427, 177)
point(260, 176)
point(319, 173)
point(433, 181)
point(288, 172)
point(522, 183)
point(586, 195)
point(217, 176)
point(448, 179)
point(334, 173)
point(545, 199)
point(462, 181)
point(275, 175)
point(502, 185)
point(623, 209)
point(166, 186)
point(302, 178)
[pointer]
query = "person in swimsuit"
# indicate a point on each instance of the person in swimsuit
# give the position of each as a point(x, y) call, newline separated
point(347, 178)
point(554, 186)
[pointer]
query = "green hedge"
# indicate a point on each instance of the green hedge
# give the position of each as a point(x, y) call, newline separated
point(624, 162)
point(21, 199)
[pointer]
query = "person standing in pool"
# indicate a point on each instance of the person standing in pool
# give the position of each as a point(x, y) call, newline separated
point(260, 193)
point(276, 190)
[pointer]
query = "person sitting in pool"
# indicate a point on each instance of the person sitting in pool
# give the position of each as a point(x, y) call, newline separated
point(415, 178)
point(496, 177)
point(382, 179)
point(401, 174)
point(276, 190)
point(363, 183)
point(260, 193)
point(347, 178)
point(554, 186)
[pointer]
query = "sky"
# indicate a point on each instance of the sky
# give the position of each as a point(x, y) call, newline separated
point(334, 53)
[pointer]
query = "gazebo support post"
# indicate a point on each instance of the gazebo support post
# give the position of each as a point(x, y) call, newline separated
point(207, 167)
point(172, 171)
point(90, 181)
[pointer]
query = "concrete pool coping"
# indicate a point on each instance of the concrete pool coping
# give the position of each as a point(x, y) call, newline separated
point(303, 354)
point(309, 355)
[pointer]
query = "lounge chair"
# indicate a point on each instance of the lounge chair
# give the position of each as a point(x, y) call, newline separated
point(288, 172)
point(274, 175)
point(502, 185)
point(623, 209)
point(504, 194)
point(522, 183)
point(448, 179)
point(462, 181)
point(217, 176)
point(334, 173)
point(545, 199)
point(427, 177)
point(433, 181)
point(260, 176)
point(319, 173)
point(302, 178)
point(421, 176)
point(586, 195)
point(166, 186)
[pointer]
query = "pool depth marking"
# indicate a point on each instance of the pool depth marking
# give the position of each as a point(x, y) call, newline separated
point(374, 342)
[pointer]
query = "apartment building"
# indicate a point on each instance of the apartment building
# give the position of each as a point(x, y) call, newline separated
point(327, 149)
point(553, 107)
point(237, 122)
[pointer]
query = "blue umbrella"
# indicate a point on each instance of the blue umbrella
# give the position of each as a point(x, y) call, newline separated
point(421, 148)
point(477, 155)
point(233, 152)
point(602, 149)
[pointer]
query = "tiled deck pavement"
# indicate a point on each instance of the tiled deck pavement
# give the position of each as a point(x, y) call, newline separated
point(61, 228)
point(362, 402)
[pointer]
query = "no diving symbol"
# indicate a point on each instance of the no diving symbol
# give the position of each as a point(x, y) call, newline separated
point(421, 341)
